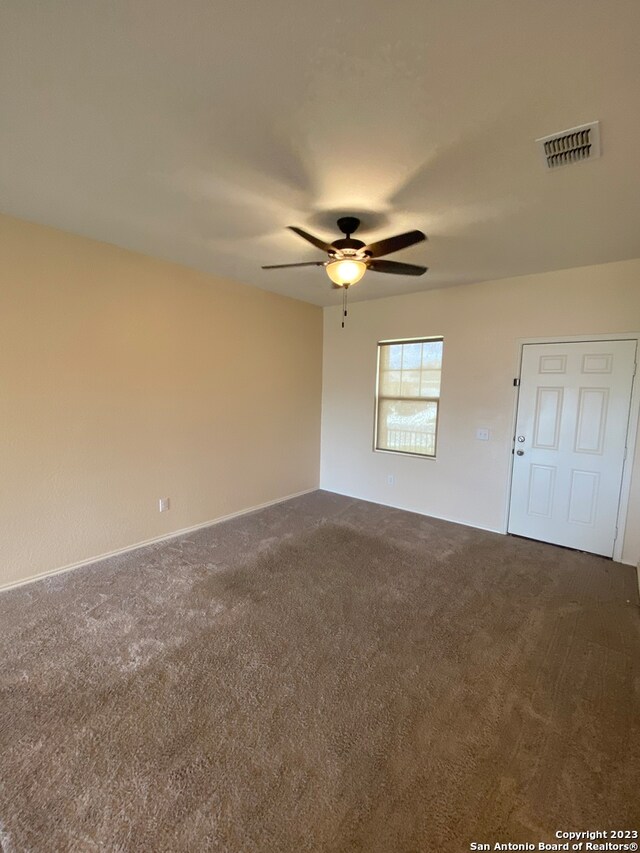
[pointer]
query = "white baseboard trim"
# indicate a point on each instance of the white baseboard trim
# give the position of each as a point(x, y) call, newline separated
point(501, 531)
point(183, 532)
point(416, 512)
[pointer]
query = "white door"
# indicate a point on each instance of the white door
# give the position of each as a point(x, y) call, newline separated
point(571, 428)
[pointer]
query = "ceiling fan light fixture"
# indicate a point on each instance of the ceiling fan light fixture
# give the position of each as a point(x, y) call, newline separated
point(346, 272)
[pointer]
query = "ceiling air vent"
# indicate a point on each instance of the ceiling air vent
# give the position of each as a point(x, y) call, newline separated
point(571, 146)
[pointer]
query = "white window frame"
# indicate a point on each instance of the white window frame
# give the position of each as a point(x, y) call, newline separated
point(378, 398)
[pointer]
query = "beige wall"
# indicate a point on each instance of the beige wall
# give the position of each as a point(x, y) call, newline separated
point(481, 325)
point(125, 379)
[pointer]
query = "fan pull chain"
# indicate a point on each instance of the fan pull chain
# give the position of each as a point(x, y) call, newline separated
point(344, 303)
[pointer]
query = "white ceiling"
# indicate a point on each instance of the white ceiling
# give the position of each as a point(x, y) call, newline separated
point(197, 130)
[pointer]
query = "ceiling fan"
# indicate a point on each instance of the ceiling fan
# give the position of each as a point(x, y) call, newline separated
point(349, 259)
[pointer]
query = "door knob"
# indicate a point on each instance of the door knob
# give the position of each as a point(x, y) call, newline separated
point(520, 452)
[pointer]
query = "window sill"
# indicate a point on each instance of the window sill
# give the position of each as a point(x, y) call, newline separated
point(404, 453)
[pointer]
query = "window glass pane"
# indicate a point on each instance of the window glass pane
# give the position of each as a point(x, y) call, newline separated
point(432, 355)
point(390, 383)
point(407, 426)
point(430, 383)
point(411, 356)
point(410, 383)
point(393, 355)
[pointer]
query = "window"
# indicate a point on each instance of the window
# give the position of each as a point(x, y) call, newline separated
point(408, 395)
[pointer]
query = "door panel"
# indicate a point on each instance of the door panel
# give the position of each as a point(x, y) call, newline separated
point(546, 431)
point(583, 497)
point(593, 405)
point(542, 481)
point(571, 428)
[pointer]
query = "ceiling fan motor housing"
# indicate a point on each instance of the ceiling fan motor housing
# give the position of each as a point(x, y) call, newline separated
point(348, 224)
point(348, 243)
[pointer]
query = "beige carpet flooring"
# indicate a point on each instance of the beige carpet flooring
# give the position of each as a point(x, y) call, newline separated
point(323, 675)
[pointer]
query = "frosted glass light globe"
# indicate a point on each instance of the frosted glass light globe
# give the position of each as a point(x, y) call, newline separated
point(346, 272)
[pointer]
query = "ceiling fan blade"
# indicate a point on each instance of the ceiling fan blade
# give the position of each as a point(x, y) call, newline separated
point(315, 241)
point(282, 266)
point(396, 268)
point(394, 244)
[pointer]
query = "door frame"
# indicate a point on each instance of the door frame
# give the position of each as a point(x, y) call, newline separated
point(632, 425)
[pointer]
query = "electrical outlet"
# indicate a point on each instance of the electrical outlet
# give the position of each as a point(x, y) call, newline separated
point(391, 480)
point(482, 434)
point(163, 505)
